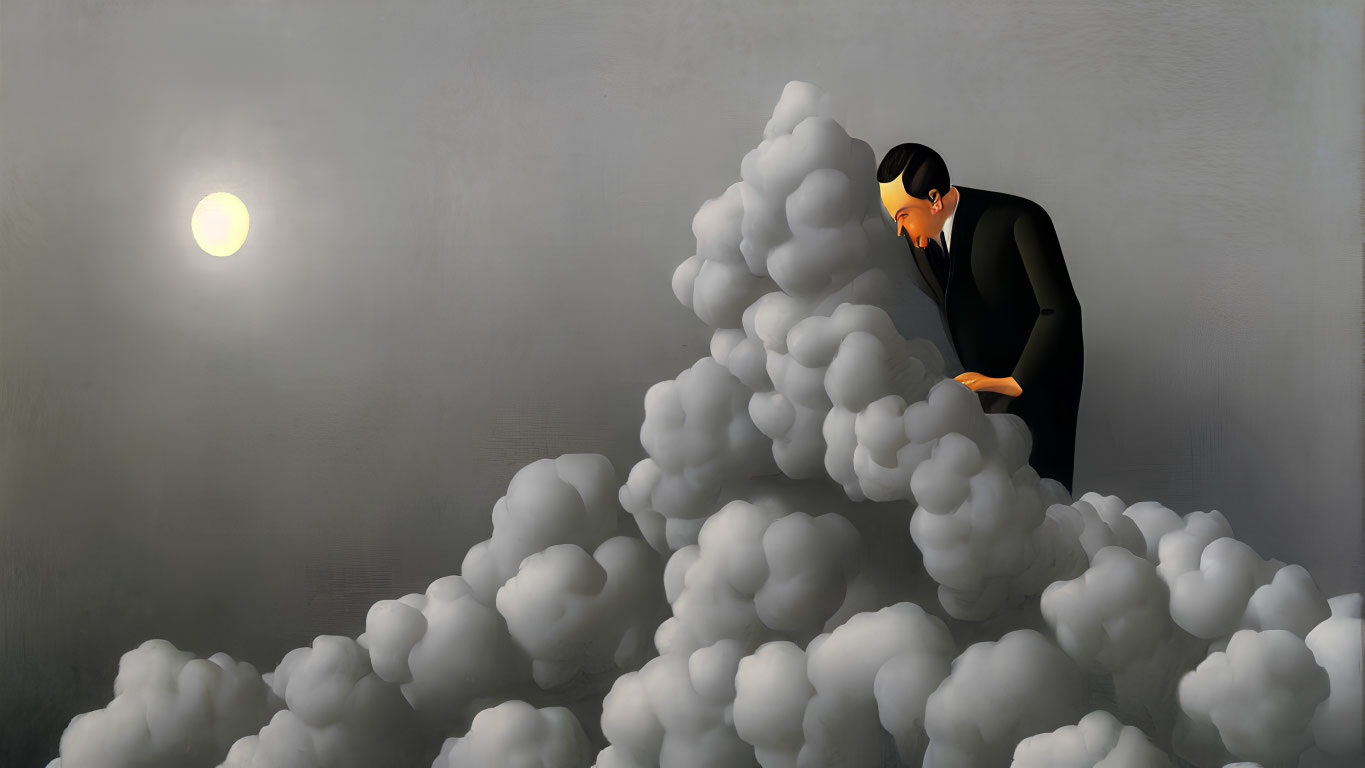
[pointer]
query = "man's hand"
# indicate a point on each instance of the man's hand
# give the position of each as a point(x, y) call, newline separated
point(981, 383)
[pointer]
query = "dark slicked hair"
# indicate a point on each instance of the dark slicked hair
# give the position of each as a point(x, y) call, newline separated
point(921, 169)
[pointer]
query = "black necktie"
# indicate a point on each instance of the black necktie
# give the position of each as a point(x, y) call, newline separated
point(938, 260)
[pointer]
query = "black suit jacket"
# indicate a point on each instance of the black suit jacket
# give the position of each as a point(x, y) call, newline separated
point(1010, 310)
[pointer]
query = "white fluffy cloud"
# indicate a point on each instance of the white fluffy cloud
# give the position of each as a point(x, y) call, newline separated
point(760, 571)
point(1290, 601)
point(339, 714)
point(1099, 740)
point(677, 710)
point(699, 436)
point(567, 500)
point(1337, 647)
point(572, 611)
point(857, 697)
point(975, 523)
point(443, 648)
point(1112, 615)
point(169, 709)
point(998, 694)
point(1219, 584)
point(771, 694)
point(1260, 694)
point(517, 735)
point(876, 669)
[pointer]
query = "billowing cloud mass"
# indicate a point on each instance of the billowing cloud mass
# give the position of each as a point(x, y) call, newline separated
point(170, 709)
point(999, 693)
point(338, 713)
point(1259, 694)
point(759, 572)
point(829, 555)
point(1097, 741)
point(573, 611)
point(568, 500)
point(515, 733)
point(1111, 616)
point(1219, 584)
point(858, 695)
point(443, 649)
point(1337, 646)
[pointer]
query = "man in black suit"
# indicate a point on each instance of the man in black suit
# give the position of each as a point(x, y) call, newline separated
point(993, 264)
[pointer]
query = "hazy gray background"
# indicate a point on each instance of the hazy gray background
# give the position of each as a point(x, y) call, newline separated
point(465, 217)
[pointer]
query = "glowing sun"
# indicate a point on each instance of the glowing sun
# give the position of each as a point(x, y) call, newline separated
point(219, 224)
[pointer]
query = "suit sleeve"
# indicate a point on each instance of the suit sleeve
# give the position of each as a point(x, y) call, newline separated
point(1056, 335)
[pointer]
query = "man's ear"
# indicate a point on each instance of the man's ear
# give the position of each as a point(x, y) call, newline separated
point(935, 201)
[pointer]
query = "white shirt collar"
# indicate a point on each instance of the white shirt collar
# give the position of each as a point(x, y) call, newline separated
point(948, 229)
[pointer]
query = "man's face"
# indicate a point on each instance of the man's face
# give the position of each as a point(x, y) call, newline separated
point(920, 218)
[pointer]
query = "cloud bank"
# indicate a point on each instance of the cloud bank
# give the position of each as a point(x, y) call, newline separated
point(829, 556)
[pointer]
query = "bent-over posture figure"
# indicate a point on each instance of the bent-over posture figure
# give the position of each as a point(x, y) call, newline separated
point(993, 264)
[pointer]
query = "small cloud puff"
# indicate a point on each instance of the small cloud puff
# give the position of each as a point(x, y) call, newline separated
point(1099, 740)
point(515, 733)
point(340, 714)
point(170, 710)
point(1259, 694)
point(998, 694)
point(567, 500)
point(571, 611)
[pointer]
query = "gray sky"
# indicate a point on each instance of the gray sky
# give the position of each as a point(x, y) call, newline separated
point(465, 217)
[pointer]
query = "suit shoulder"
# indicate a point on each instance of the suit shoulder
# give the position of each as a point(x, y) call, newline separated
point(1005, 204)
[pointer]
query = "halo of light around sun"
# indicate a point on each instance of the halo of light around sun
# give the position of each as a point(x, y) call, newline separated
point(220, 223)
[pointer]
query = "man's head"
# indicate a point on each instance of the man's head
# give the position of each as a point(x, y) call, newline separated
point(916, 191)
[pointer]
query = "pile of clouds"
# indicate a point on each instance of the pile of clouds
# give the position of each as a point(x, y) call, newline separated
point(170, 709)
point(830, 556)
